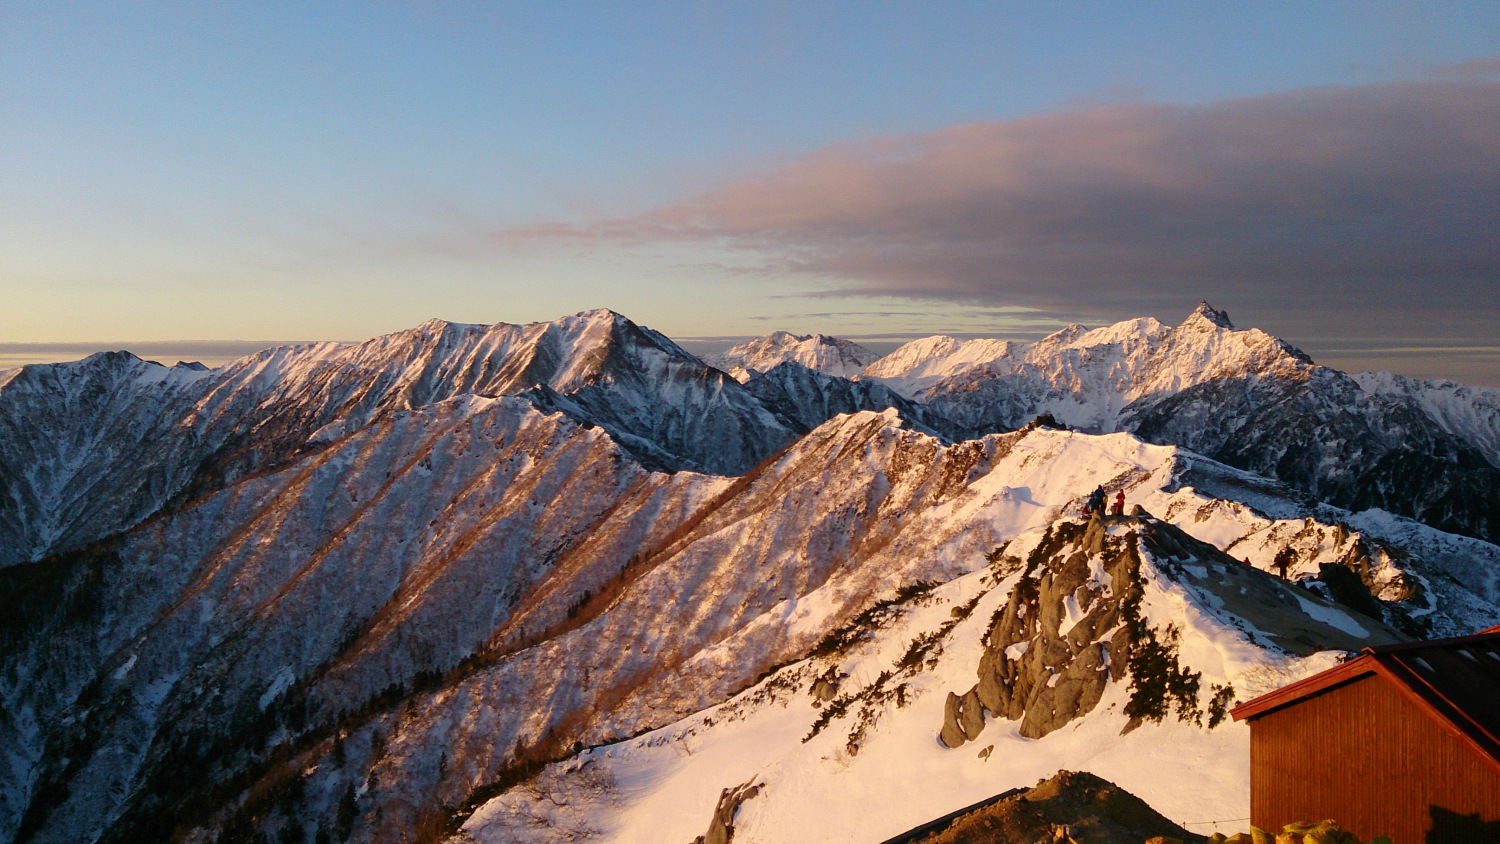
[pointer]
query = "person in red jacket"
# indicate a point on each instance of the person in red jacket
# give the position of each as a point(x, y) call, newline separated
point(1119, 503)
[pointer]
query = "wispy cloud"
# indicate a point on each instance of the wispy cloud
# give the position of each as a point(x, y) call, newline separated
point(1485, 68)
point(210, 352)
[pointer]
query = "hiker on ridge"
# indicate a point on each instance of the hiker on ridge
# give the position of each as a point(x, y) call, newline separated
point(1285, 558)
point(1119, 503)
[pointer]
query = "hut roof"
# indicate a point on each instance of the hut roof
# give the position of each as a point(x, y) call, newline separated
point(1455, 681)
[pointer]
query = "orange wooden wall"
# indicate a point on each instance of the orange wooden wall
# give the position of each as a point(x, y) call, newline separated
point(1369, 758)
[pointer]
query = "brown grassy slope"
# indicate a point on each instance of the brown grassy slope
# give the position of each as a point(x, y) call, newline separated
point(1071, 806)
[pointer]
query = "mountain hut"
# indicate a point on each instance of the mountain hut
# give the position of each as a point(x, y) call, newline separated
point(1403, 740)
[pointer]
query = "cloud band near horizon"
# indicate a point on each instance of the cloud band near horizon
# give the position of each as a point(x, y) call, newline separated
point(1379, 204)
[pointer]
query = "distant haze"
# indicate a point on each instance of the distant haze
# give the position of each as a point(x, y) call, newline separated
point(1327, 172)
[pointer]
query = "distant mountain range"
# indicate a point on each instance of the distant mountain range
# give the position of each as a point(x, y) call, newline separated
point(566, 580)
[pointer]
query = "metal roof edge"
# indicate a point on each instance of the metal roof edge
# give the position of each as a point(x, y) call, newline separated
point(1489, 634)
point(1338, 675)
point(1407, 683)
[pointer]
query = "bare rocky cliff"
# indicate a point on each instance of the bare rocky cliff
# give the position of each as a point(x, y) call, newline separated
point(1073, 624)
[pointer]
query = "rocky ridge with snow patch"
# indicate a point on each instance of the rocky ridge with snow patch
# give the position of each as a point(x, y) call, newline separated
point(1242, 397)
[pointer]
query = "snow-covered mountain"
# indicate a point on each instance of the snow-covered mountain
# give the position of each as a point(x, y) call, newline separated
point(809, 398)
point(886, 725)
point(1083, 378)
point(472, 581)
point(818, 352)
point(1469, 413)
point(92, 447)
point(1243, 397)
point(424, 612)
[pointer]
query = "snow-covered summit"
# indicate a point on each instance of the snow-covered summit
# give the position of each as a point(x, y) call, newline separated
point(1472, 413)
point(1082, 377)
point(1208, 313)
point(830, 355)
point(111, 439)
point(917, 365)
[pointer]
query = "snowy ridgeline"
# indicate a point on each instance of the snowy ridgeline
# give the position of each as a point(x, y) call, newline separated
point(96, 446)
point(668, 595)
point(398, 586)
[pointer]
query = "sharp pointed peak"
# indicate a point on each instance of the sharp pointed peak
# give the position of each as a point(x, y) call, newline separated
point(1208, 313)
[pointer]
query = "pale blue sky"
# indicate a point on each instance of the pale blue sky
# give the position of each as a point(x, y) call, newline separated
point(280, 171)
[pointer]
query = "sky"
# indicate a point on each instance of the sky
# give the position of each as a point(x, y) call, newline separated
point(201, 180)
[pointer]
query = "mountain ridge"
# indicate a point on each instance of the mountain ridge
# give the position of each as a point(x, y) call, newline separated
point(360, 598)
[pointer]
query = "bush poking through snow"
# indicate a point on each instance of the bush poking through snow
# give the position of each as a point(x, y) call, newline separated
point(1303, 832)
point(1158, 680)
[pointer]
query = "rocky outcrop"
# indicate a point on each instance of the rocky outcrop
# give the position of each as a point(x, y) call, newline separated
point(721, 827)
point(1049, 653)
point(1346, 587)
point(963, 718)
point(1072, 625)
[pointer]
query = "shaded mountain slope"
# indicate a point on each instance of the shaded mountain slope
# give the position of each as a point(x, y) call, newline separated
point(1322, 434)
point(809, 398)
point(398, 552)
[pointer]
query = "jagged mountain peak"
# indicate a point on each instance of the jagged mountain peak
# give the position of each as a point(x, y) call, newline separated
point(1208, 313)
point(1084, 377)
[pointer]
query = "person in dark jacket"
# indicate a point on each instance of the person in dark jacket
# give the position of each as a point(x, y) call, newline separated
point(1285, 559)
point(1096, 501)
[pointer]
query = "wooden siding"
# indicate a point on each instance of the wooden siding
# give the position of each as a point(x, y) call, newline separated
point(1366, 756)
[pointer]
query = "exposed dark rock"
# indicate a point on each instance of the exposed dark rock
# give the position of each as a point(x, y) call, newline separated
point(1346, 587)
